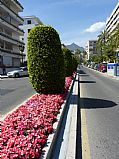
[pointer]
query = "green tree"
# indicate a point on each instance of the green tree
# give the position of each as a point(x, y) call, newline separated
point(45, 60)
point(110, 50)
point(115, 37)
point(108, 44)
point(67, 61)
point(78, 56)
point(74, 63)
point(96, 58)
point(101, 44)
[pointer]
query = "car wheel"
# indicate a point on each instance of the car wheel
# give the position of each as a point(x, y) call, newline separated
point(16, 75)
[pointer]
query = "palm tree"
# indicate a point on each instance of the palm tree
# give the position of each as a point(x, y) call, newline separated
point(108, 44)
point(110, 50)
point(101, 44)
point(113, 44)
point(115, 36)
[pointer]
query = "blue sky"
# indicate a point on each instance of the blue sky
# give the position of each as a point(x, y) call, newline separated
point(75, 20)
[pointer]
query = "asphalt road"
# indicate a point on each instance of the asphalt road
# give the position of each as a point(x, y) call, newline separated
point(100, 100)
point(13, 92)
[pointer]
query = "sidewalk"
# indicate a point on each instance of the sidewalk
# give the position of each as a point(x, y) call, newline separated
point(113, 77)
point(109, 76)
point(105, 74)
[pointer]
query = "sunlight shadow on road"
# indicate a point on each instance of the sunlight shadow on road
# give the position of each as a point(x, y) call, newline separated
point(87, 81)
point(82, 73)
point(92, 103)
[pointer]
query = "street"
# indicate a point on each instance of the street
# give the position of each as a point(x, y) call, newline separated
point(99, 100)
point(14, 91)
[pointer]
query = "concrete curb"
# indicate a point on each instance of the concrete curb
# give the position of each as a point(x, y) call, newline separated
point(72, 136)
point(104, 74)
point(48, 149)
point(3, 76)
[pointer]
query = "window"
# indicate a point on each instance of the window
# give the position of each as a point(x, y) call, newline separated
point(0, 60)
point(25, 69)
point(29, 30)
point(28, 21)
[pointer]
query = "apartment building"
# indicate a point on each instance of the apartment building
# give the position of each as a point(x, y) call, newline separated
point(113, 19)
point(91, 48)
point(29, 23)
point(10, 54)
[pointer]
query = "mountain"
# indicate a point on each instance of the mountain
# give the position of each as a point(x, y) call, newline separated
point(74, 47)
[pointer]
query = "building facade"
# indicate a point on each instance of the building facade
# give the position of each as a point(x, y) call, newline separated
point(10, 54)
point(29, 23)
point(113, 19)
point(91, 48)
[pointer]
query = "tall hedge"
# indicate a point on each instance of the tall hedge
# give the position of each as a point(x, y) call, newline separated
point(74, 63)
point(67, 61)
point(45, 60)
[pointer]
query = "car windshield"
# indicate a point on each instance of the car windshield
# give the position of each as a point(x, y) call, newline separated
point(18, 69)
point(24, 68)
point(104, 64)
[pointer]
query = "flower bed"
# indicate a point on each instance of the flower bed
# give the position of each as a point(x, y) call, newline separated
point(24, 133)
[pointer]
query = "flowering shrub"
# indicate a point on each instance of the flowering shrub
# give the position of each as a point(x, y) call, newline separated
point(24, 133)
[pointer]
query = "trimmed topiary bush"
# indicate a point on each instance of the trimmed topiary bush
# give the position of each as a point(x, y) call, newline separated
point(74, 63)
point(67, 61)
point(45, 60)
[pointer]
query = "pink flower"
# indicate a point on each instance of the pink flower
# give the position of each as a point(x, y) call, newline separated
point(24, 132)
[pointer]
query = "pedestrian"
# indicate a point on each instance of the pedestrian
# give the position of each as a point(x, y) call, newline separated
point(4, 69)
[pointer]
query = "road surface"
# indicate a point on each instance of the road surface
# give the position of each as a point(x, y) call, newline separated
point(14, 91)
point(99, 102)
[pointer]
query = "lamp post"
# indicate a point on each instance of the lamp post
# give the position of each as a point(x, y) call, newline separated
point(21, 48)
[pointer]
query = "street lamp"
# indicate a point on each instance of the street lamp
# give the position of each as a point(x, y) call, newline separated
point(21, 48)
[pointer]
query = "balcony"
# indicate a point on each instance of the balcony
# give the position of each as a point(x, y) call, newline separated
point(91, 47)
point(12, 26)
point(18, 4)
point(10, 39)
point(11, 52)
point(11, 12)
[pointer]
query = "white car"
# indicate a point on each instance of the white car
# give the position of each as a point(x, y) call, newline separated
point(22, 71)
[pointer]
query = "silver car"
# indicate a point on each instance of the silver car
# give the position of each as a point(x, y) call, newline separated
point(22, 71)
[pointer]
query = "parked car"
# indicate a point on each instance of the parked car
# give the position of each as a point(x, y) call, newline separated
point(89, 65)
point(22, 71)
point(103, 67)
point(96, 66)
point(92, 65)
